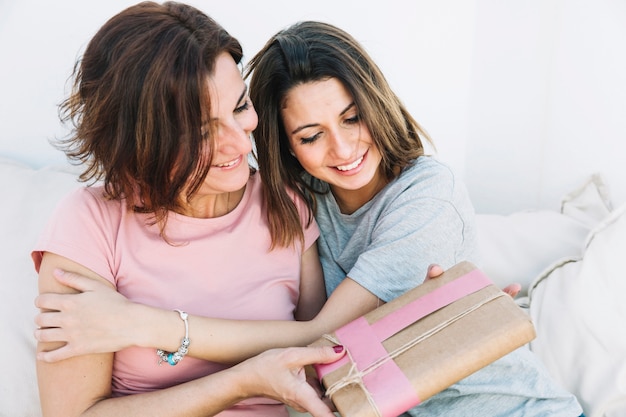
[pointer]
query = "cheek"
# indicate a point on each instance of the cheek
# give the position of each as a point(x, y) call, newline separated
point(308, 158)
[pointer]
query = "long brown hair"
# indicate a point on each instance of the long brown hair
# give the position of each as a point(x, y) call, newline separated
point(314, 51)
point(138, 102)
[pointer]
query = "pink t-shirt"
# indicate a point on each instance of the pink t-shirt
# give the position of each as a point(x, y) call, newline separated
point(219, 267)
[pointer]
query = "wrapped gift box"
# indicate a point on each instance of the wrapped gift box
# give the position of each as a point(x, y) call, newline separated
point(420, 343)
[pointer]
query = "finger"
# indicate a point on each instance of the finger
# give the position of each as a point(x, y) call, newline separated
point(52, 301)
point(45, 301)
point(48, 319)
point(320, 354)
point(76, 281)
point(53, 334)
point(55, 355)
point(314, 404)
point(433, 271)
point(329, 403)
point(512, 289)
point(314, 382)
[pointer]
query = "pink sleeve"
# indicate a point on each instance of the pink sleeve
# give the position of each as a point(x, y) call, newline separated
point(81, 229)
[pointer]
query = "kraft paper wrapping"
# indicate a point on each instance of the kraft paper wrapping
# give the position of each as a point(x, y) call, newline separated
point(417, 345)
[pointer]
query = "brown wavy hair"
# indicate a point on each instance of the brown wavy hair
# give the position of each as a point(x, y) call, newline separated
point(315, 51)
point(138, 102)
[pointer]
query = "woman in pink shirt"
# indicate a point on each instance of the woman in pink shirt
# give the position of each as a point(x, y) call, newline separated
point(176, 221)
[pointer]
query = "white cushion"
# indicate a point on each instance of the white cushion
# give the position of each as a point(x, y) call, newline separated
point(519, 246)
point(28, 198)
point(579, 312)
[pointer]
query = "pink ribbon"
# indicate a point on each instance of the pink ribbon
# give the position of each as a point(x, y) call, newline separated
point(364, 344)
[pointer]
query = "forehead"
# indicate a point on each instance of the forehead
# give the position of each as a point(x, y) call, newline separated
point(316, 97)
point(225, 84)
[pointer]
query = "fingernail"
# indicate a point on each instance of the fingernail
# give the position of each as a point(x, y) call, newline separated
point(58, 272)
point(338, 348)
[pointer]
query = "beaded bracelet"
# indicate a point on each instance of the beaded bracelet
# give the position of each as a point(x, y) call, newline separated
point(174, 357)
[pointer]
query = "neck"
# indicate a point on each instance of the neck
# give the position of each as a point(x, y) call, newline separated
point(350, 201)
point(212, 205)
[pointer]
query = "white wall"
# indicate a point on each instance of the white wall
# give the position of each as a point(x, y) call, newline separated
point(548, 101)
point(523, 99)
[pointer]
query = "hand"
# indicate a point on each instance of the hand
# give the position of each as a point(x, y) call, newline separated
point(280, 374)
point(92, 321)
point(435, 270)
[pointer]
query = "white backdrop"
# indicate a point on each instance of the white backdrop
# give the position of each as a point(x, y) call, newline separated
point(524, 99)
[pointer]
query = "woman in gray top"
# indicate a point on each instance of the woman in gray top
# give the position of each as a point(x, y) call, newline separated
point(385, 210)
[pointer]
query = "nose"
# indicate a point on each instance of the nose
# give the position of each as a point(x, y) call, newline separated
point(232, 138)
point(342, 144)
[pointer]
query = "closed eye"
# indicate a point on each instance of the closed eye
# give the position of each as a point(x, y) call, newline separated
point(246, 101)
point(310, 139)
point(245, 106)
point(353, 120)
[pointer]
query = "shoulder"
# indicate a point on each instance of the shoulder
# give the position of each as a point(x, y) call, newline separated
point(427, 169)
point(431, 186)
point(89, 204)
point(84, 196)
point(424, 177)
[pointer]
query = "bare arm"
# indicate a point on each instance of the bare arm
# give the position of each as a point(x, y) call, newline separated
point(312, 288)
point(86, 379)
point(220, 340)
point(226, 341)
point(278, 374)
point(81, 385)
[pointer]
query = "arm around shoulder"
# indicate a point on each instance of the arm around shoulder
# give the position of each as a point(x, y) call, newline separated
point(69, 387)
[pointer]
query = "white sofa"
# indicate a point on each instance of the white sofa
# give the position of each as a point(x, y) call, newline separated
point(569, 263)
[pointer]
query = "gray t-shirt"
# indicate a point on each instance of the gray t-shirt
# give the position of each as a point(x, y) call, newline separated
point(423, 217)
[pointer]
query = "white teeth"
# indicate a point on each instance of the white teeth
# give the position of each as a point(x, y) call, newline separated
point(227, 164)
point(351, 166)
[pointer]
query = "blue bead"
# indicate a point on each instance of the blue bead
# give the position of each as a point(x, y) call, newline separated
point(170, 359)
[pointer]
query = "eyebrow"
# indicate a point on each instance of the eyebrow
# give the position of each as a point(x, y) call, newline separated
point(344, 111)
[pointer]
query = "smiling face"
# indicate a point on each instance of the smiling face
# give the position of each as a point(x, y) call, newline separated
point(331, 142)
point(231, 121)
point(229, 125)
